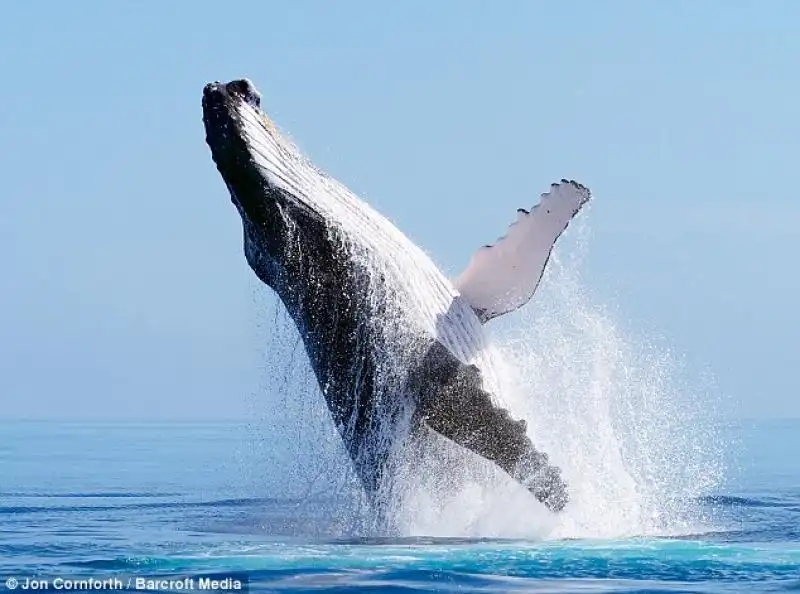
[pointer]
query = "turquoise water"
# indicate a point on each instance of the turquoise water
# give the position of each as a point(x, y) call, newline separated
point(188, 500)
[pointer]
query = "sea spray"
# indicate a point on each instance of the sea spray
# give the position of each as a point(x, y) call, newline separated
point(635, 444)
point(635, 438)
point(296, 455)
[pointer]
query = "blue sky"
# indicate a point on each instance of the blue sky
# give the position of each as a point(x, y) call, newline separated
point(126, 294)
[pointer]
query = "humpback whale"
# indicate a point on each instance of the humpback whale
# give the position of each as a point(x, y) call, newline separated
point(396, 347)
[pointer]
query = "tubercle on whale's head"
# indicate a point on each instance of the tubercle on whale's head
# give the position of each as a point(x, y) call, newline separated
point(238, 90)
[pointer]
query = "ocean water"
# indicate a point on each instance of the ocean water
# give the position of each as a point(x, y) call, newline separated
point(183, 500)
point(664, 495)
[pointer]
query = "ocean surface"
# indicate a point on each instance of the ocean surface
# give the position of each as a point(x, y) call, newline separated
point(179, 501)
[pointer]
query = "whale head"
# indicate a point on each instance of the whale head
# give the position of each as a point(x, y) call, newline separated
point(226, 107)
point(268, 179)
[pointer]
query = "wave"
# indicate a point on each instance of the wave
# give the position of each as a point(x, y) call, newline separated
point(469, 562)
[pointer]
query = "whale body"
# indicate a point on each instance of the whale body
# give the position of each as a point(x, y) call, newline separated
point(395, 346)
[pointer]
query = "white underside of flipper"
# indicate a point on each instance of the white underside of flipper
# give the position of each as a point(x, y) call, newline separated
point(504, 277)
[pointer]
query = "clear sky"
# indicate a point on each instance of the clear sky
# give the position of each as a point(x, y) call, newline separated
point(125, 291)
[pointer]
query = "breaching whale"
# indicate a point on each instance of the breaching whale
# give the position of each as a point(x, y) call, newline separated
point(395, 346)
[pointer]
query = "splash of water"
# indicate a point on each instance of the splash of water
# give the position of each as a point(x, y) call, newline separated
point(635, 443)
point(636, 438)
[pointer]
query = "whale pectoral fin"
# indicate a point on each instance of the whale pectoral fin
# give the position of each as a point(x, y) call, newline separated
point(468, 418)
point(454, 404)
point(504, 277)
